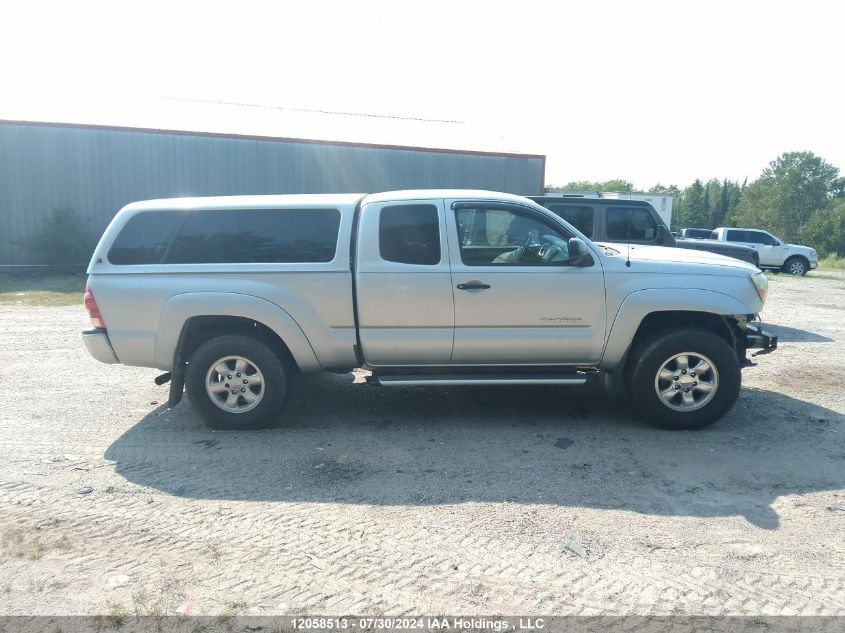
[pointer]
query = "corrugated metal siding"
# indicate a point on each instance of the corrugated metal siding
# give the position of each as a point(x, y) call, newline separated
point(97, 171)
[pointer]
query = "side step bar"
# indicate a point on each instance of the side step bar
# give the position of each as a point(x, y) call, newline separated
point(409, 380)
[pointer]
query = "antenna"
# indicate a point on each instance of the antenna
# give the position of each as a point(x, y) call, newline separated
point(628, 255)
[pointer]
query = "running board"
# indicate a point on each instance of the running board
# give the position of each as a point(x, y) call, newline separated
point(410, 380)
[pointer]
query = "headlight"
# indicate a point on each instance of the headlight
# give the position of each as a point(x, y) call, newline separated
point(761, 284)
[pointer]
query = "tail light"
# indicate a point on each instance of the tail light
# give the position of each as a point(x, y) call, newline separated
point(93, 309)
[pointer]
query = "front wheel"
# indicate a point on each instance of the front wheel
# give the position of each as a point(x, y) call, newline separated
point(237, 382)
point(796, 266)
point(685, 379)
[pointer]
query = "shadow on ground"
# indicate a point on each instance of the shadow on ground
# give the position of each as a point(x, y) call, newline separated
point(432, 445)
point(794, 335)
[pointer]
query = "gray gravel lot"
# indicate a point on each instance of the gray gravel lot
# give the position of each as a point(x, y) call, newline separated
point(422, 500)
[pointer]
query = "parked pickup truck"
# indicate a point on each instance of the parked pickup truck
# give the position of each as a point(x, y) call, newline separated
point(695, 234)
point(774, 253)
point(233, 297)
point(631, 222)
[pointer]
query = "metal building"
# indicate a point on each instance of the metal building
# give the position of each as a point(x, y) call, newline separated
point(96, 169)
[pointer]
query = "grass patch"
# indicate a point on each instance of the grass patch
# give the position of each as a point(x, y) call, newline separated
point(114, 618)
point(822, 275)
point(27, 542)
point(42, 289)
point(832, 262)
point(22, 543)
point(44, 584)
point(232, 609)
point(161, 603)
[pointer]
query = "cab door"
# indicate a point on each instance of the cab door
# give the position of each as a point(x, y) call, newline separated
point(770, 249)
point(404, 284)
point(528, 306)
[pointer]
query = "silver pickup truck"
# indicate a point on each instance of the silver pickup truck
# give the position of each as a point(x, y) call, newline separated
point(234, 297)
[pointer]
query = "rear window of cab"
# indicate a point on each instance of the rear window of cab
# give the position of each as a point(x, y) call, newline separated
point(227, 236)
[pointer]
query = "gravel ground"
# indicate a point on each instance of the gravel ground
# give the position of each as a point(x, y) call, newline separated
point(422, 500)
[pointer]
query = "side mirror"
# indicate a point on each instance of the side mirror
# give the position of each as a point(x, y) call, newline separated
point(579, 254)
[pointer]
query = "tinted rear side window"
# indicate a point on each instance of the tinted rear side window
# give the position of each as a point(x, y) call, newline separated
point(145, 237)
point(581, 217)
point(737, 236)
point(634, 223)
point(256, 236)
point(760, 238)
point(410, 234)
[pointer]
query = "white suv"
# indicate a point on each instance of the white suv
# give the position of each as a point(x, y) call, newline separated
point(774, 253)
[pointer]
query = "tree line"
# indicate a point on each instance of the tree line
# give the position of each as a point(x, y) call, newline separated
point(799, 197)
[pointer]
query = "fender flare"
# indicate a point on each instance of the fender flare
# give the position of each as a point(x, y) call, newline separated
point(639, 304)
point(182, 307)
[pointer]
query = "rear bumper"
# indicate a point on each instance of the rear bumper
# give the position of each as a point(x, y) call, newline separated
point(758, 338)
point(98, 345)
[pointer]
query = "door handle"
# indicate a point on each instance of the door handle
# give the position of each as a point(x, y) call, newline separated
point(473, 285)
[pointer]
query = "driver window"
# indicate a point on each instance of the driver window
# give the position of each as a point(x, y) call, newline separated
point(499, 237)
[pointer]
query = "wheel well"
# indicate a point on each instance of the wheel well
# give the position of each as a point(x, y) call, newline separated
point(801, 257)
point(722, 326)
point(199, 329)
point(657, 321)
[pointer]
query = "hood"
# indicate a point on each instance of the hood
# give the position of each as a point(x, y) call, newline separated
point(665, 254)
point(719, 243)
point(799, 248)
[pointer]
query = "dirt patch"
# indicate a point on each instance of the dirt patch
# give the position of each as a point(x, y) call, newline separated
point(462, 500)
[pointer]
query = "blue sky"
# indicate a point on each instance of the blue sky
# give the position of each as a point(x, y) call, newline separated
point(648, 91)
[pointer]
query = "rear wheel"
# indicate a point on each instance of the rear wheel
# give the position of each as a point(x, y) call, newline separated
point(796, 266)
point(236, 382)
point(685, 379)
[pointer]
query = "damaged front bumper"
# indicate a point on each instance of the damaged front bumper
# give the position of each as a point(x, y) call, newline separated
point(758, 338)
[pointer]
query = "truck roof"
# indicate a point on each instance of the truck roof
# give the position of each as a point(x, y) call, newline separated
point(252, 201)
point(421, 194)
point(314, 200)
point(576, 199)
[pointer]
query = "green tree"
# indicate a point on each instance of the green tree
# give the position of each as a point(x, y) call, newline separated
point(825, 230)
point(721, 208)
point(695, 211)
point(671, 190)
point(725, 198)
point(790, 190)
point(577, 185)
point(617, 184)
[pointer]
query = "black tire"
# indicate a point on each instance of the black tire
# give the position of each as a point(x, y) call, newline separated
point(274, 373)
point(650, 356)
point(796, 266)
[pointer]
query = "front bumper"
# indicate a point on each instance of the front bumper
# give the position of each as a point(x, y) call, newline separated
point(97, 342)
point(814, 265)
point(758, 338)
